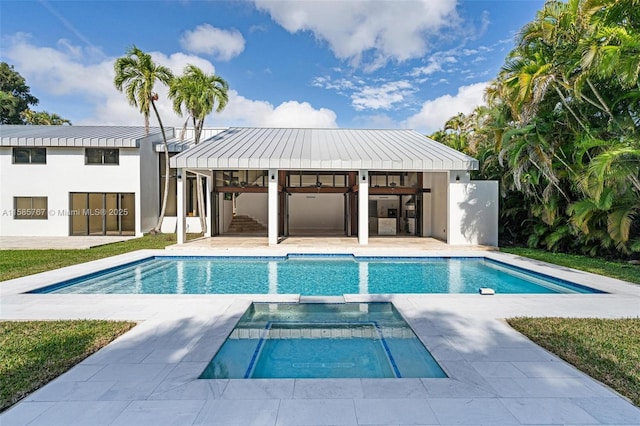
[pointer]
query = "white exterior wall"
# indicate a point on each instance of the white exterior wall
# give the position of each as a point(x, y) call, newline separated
point(254, 205)
point(323, 212)
point(427, 212)
point(439, 205)
point(225, 213)
point(150, 198)
point(64, 172)
point(473, 213)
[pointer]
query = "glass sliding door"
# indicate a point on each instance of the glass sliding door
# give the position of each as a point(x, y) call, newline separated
point(96, 217)
point(112, 218)
point(78, 204)
point(100, 213)
point(127, 214)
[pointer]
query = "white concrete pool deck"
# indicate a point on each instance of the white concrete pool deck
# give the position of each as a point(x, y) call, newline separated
point(149, 375)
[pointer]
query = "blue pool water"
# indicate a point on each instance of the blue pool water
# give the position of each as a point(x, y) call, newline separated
point(312, 276)
point(348, 340)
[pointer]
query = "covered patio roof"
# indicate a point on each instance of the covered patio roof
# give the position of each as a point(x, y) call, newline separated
point(322, 149)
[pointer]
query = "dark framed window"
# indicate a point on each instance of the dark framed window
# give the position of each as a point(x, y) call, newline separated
point(393, 179)
point(29, 155)
point(101, 156)
point(317, 179)
point(30, 208)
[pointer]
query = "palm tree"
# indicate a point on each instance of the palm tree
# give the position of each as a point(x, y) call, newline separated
point(198, 93)
point(561, 128)
point(136, 75)
point(43, 118)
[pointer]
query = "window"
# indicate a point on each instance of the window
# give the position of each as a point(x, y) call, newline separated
point(317, 179)
point(29, 155)
point(393, 179)
point(102, 156)
point(30, 208)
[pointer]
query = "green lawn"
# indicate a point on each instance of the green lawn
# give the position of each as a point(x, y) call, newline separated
point(621, 269)
point(34, 352)
point(18, 263)
point(606, 349)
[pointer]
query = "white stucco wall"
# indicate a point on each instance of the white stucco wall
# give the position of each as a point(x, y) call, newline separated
point(225, 214)
point(324, 212)
point(253, 205)
point(149, 177)
point(64, 172)
point(473, 213)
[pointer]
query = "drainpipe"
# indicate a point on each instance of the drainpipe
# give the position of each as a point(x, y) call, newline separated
point(273, 207)
point(363, 207)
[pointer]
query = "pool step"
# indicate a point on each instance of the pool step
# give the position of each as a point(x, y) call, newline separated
point(321, 333)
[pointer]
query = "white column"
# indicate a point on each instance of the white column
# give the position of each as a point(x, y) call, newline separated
point(181, 206)
point(207, 204)
point(273, 207)
point(363, 207)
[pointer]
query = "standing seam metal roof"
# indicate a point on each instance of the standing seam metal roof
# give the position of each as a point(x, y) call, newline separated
point(322, 149)
point(74, 136)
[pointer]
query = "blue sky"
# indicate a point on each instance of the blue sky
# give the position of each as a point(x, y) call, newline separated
point(352, 64)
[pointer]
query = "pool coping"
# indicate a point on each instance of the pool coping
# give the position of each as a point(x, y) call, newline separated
point(149, 375)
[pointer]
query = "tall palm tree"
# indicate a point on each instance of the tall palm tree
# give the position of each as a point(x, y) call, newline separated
point(563, 117)
point(198, 93)
point(136, 75)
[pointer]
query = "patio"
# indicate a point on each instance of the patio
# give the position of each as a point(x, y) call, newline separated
point(149, 376)
point(322, 244)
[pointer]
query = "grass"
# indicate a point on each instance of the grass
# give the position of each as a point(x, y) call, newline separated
point(606, 349)
point(18, 263)
point(621, 270)
point(34, 352)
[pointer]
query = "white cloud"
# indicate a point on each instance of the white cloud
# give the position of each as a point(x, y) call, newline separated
point(221, 44)
point(246, 112)
point(435, 64)
point(375, 94)
point(434, 113)
point(384, 96)
point(385, 30)
point(61, 74)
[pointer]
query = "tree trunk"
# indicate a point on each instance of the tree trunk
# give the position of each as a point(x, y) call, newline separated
point(201, 210)
point(146, 123)
point(566, 105)
point(166, 172)
point(197, 129)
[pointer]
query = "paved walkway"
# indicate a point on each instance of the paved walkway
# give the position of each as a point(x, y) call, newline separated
point(149, 375)
point(57, 243)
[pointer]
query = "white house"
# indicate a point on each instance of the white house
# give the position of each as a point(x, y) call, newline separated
point(75, 180)
point(104, 180)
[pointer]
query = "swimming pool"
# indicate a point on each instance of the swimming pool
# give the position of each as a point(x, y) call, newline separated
point(312, 275)
point(322, 340)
